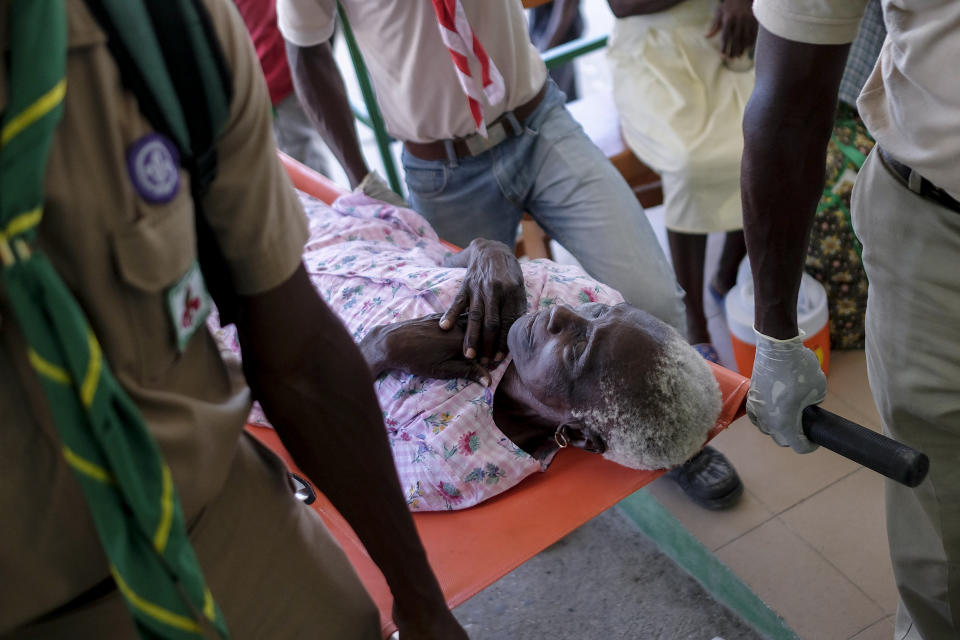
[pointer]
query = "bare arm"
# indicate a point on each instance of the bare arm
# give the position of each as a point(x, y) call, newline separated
point(421, 347)
point(561, 17)
point(626, 8)
point(319, 85)
point(786, 126)
point(317, 392)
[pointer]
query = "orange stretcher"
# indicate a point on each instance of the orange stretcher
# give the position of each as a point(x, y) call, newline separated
point(470, 549)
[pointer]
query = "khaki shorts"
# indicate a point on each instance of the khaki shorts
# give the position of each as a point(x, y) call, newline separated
point(273, 568)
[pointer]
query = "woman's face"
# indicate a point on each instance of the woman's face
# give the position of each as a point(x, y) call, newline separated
point(563, 354)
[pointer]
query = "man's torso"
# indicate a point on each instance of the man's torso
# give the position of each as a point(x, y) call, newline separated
point(413, 73)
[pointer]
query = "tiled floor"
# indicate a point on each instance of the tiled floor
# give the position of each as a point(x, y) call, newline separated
point(809, 535)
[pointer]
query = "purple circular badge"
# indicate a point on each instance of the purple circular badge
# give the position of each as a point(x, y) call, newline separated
point(154, 167)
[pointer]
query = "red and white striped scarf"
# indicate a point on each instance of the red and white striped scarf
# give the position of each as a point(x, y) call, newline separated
point(460, 40)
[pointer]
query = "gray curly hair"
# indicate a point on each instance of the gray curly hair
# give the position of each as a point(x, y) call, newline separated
point(660, 419)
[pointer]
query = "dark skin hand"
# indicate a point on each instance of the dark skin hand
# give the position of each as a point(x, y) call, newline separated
point(786, 127)
point(492, 296)
point(734, 18)
point(319, 86)
point(421, 347)
point(316, 389)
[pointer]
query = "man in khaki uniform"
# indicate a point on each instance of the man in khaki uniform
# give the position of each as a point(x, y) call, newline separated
point(906, 212)
point(118, 226)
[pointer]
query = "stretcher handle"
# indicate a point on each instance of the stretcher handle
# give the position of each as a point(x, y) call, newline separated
point(873, 450)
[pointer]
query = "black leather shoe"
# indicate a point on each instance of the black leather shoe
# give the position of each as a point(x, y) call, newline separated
point(709, 480)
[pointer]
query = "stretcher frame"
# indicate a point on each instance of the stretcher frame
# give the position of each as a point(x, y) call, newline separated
point(472, 548)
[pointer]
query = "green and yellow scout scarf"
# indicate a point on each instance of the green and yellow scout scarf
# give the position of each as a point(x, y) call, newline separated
point(127, 485)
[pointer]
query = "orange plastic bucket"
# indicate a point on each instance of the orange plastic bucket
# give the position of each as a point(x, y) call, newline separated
point(811, 317)
point(744, 352)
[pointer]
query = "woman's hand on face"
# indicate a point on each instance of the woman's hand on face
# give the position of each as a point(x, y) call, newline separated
point(735, 19)
point(493, 297)
point(422, 348)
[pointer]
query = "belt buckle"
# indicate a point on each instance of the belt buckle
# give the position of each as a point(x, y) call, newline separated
point(477, 144)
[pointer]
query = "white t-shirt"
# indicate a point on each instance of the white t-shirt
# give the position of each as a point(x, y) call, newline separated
point(911, 102)
point(412, 72)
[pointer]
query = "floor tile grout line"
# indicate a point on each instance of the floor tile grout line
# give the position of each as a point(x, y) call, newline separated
point(838, 570)
point(753, 528)
point(810, 546)
point(885, 616)
point(820, 490)
point(724, 585)
point(777, 514)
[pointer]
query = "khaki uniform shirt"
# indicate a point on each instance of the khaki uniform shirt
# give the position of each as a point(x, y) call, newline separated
point(911, 101)
point(411, 69)
point(119, 254)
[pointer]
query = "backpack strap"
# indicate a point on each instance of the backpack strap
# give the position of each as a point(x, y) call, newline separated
point(147, 38)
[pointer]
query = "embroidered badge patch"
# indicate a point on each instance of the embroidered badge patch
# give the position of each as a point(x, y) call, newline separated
point(188, 304)
point(154, 167)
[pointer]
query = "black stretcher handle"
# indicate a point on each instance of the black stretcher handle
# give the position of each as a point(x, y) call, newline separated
point(873, 450)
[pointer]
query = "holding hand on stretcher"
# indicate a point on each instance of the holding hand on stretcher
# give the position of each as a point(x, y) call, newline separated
point(786, 379)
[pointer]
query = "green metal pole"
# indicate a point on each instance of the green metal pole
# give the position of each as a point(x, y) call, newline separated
point(574, 49)
point(370, 100)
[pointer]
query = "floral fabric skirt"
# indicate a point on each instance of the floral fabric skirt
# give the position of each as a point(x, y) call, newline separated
point(833, 256)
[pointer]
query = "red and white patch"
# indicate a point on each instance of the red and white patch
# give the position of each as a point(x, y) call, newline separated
point(188, 305)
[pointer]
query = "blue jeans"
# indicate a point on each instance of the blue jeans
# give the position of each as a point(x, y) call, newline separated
point(556, 174)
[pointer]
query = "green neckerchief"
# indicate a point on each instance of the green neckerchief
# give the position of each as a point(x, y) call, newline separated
point(105, 440)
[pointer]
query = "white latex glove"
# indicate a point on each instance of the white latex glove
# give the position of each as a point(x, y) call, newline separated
point(376, 187)
point(786, 379)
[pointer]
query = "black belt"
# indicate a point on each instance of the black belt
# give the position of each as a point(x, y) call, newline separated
point(473, 145)
point(917, 183)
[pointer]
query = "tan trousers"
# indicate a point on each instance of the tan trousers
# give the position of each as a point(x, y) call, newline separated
point(912, 259)
point(271, 565)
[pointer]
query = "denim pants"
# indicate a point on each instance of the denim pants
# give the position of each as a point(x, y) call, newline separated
point(910, 250)
point(556, 174)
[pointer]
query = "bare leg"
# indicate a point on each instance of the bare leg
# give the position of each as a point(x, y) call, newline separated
point(688, 251)
point(707, 478)
point(734, 248)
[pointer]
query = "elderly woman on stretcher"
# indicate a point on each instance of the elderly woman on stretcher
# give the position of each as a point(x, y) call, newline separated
point(556, 358)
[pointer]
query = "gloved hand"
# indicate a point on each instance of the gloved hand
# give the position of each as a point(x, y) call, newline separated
point(786, 379)
point(375, 187)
